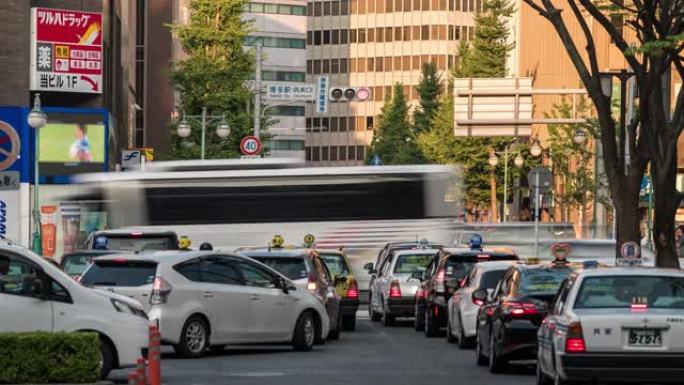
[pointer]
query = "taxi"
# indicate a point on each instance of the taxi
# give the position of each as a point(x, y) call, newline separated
point(347, 287)
point(618, 324)
point(306, 269)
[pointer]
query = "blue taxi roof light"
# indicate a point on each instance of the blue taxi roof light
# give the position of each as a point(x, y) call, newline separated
point(590, 263)
point(476, 242)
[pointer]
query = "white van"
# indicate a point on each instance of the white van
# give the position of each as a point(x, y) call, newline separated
point(37, 296)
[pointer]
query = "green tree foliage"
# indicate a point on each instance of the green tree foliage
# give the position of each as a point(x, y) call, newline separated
point(486, 58)
point(394, 141)
point(572, 163)
point(213, 75)
point(429, 90)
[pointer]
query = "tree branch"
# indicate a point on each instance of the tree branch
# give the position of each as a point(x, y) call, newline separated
point(537, 8)
point(591, 47)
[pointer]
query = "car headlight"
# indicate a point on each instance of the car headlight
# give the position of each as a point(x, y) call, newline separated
point(123, 307)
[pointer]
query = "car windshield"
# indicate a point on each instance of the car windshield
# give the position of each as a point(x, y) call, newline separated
point(75, 264)
point(142, 243)
point(491, 278)
point(543, 281)
point(336, 264)
point(292, 267)
point(456, 268)
point(617, 292)
point(408, 263)
point(120, 273)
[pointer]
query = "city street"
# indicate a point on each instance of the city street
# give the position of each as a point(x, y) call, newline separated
point(373, 354)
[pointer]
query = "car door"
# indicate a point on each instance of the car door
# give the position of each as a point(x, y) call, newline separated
point(548, 326)
point(271, 311)
point(461, 298)
point(326, 289)
point(376, 288)
point(21, 308)
point(225, 298)
point(487, 314)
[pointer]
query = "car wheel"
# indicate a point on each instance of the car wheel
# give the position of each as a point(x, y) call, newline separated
point(481, 358)
point(106, 359)
point(496, 363)
point(304, 333)
point(194, 339)
point(419, 323)
point(387, 318)
point(449, 335)
point(335, 334)
point(349, 322)
point(430, 324)
point(463, 341)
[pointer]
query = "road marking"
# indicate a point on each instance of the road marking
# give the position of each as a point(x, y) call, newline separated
point(257, 374)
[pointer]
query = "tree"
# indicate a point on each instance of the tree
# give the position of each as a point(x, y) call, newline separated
point(429, 89)
point(486, 57)
point(394, 141)
point(653, 132)
point(213, 75)
point(571, 162)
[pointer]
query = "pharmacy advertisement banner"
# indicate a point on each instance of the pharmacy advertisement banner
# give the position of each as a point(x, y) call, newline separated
point(66, 51)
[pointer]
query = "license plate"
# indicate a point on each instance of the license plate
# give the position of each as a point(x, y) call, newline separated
point(639, 337)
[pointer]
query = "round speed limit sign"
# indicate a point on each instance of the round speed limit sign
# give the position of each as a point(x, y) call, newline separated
point(250, 145)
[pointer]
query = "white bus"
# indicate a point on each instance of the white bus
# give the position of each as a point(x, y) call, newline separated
point(235, 204)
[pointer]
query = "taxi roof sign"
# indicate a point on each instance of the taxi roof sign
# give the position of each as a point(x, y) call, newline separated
point(532, 261)
point(476, 242)
point(630, 253)
point(277, 241)
point(309, 239)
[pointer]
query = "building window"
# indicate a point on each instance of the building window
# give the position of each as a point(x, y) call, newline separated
point(343, 153)
point(335, 8)
point(361, 67)
point(407, 5)
point(275, 42)
point(397, 33)
point(270, 8)
point(284, 76)
point(434, 32)
point(398, 5)
point(362, 35)
point(362, 7)
point(380, 6)
point(388, 34)
point(377, 97)
point(369, 122)
point(333, 153)
point(425, 32)
point(317, 9)
point(307, 152)
point(352, 65)
point(359, 153)
point(334, 66)
point(416, 63)
point(315, 154)
point(371, 35)
point(309, 38)
point(371, 64)
point(326, 8)
point(317, 37)
point(407, 33)
point(441, 62)
point(335, 38)
point(388, 6)
point(397, 63)
point(309, 67)
point(343, 123)
point(351, 124)
point(351, 152)
point(388, 63)
point(379, 64)
point(416, 32)
point(325, 124)
point(324, 154)
point(380, 35)
point(425, 5)
point(344, 7)
point(325, 66)
point(344, 36)
point(326, 37)
point(416, 5)
point(286, 145)
point(317, 67)
point(333, 124)
point(371, 6)
point(343, 66)
point(352, 36)
point(354, 7)
point(406, 65)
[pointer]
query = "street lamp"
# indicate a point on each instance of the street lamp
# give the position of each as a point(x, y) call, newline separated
point(184, 130)
point(535, 149)
point(519, 161)
point(580, 137)
point(37, 120)
point(493, 161)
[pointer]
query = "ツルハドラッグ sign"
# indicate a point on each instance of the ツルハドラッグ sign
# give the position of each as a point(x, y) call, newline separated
point(66, 51)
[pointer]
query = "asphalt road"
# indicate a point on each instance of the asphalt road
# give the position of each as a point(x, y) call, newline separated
point(373, 354)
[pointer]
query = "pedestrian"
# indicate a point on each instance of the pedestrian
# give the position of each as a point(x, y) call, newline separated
point(679, 240)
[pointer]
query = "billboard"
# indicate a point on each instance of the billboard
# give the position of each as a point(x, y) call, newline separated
point(72, 143)
point(66, 51)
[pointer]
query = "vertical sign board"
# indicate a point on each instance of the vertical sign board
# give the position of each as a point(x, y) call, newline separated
point(66, 51)
point(15, 162)
point(322, 95)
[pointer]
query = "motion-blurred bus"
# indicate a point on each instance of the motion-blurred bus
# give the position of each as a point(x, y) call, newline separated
point(244, 203)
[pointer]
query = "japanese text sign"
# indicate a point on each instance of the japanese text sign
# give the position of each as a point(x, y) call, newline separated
point(66, 51)
point(291, 91)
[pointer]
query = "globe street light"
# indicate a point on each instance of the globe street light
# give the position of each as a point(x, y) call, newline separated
point(535, 149)
point(37, 120)
point(222, 130)
point(519, 161)
point(580, 137)
point(493, 160)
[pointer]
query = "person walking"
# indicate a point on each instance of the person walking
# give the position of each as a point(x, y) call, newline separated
point(679, 240)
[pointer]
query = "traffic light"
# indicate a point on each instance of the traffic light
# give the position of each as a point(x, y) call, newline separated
point(350, 94)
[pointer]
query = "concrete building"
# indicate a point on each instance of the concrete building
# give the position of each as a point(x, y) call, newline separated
point(375, 44)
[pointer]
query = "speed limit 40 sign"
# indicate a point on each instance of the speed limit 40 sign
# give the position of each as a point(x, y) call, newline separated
point(250, 145)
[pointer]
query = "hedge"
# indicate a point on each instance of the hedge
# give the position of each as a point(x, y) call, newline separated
point(43, 357)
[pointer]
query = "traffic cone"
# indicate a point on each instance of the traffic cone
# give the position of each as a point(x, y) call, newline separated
point(154, 356)
point(140, 371)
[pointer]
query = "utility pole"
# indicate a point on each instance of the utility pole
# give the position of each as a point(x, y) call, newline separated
point(257, 91)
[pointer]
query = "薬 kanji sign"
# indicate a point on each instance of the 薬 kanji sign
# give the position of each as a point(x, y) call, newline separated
point(66, 51)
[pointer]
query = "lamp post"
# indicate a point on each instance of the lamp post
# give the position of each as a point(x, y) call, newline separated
point(494, 161)
point(222, 131)
point(37, 120)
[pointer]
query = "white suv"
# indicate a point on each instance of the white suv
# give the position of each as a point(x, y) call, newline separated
point(37, 296)
point(209, 299)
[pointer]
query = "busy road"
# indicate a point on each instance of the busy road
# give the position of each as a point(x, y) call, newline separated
point(373, 354)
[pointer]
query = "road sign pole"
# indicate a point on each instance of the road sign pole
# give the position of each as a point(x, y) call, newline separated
point(505, 202)
point(204, 129)
point(257, 91)
point(536, 215)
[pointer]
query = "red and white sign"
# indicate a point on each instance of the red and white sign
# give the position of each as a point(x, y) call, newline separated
point(250, 145)
point(66, 51)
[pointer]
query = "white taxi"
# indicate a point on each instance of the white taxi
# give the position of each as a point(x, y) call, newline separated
point(464, 305)
point(622, 324)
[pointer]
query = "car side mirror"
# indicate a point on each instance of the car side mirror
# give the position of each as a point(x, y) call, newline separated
point(481, 295)
point(340, 279)
point(369, 267)
point(417, 275)
point(283, 285)
point(373, 272)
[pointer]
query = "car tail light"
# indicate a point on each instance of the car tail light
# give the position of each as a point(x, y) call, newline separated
point(160, 291)
point(120, 260)
point(639, 307)
point(574, 339)
point(395, 290)
point(137, 234)
point(353, 290)
point(476, 301)
point(311, 285)
point(518, 309)
point(439, 285)
point(420, 294)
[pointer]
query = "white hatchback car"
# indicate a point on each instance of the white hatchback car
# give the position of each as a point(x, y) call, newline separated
point(615, 325)
point(209, 299)
point(464, 305)
point(37, 296)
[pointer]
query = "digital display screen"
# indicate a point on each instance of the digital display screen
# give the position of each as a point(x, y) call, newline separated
point(72, 143)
